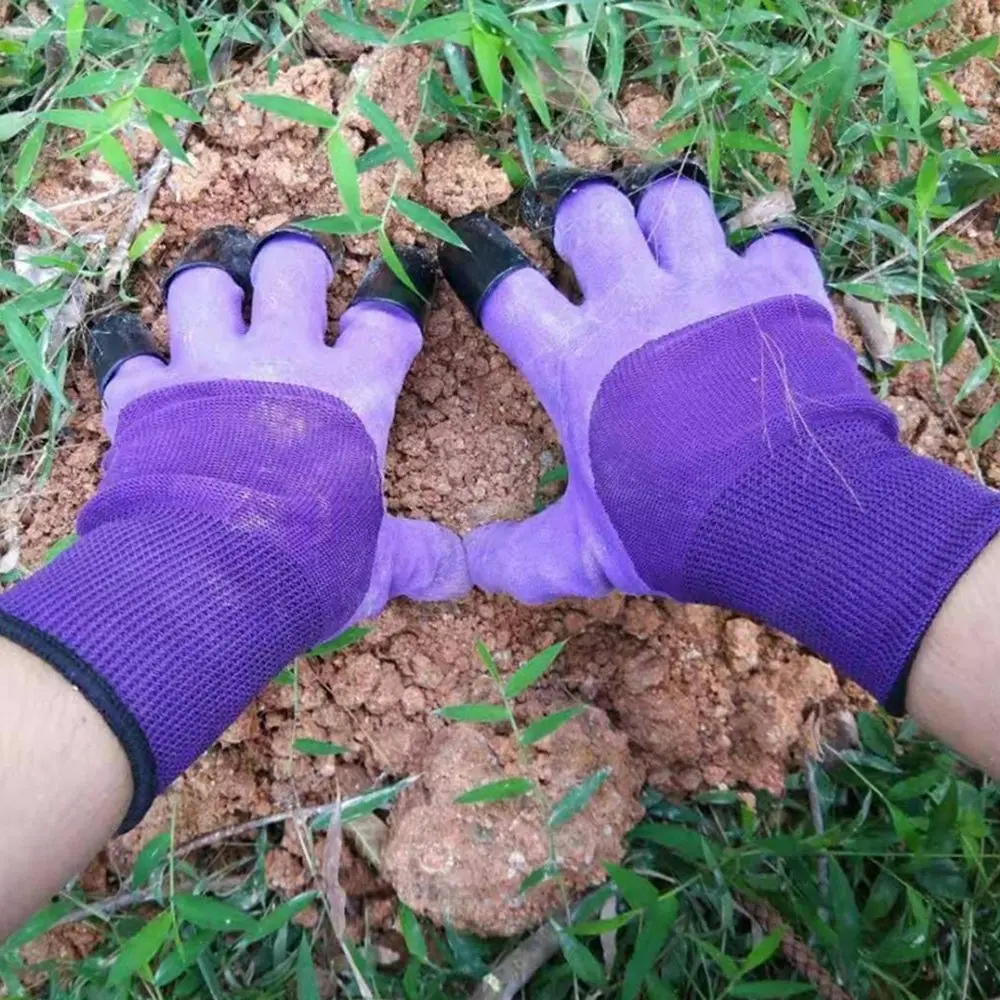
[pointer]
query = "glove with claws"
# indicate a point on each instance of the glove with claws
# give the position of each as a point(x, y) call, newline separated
point(722, 445)
point(240, 519)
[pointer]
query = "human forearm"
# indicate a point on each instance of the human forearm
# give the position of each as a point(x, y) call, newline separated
point(65, 783)
point(953, 688)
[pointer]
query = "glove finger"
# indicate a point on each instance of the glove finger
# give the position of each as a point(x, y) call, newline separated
point(379, 338)
point(537, 560)
point(678, 219)
point(416, 559)
point(517, 306)
point(596, 233)
point(204, 313)
point(428, 561)
point(790, 254)
point(290, 273)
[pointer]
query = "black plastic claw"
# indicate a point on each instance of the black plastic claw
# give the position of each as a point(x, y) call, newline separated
point(113, 340)
point(540, 201)
point(786, 227)
point(635, 180)
point(229, 248)
point(491, 256)
point(380, 283)
point(332, 246)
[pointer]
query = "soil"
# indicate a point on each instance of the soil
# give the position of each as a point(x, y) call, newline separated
point(684, 697)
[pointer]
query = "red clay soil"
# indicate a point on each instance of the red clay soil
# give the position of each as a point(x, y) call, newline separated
point(684, 697)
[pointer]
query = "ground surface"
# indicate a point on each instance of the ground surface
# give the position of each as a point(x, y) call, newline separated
point(685, 698)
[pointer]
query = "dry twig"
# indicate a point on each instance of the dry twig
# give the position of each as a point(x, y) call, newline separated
point(514, 971)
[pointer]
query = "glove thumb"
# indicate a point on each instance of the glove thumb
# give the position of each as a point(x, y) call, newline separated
point(538, 560)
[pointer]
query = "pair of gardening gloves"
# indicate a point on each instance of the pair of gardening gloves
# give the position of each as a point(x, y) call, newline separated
point(722, 448)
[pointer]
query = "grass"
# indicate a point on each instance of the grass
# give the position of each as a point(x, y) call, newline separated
point(883, 865)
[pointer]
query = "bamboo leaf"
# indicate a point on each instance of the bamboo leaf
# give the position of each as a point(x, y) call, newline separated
point(341, 225)
point(12, 122)
point(395, 264)
point(752, 143)
point(306, 981)
point(318, 748)
point(531, 85)
point(548, 724)
point(656, 924)
point(191, 47)
point(212, 914)
point(95, 84)
point(580, 959)
point(348, 637)
point(904, 74)
point(474, 712)
point(841, 77)
point(448, 27)
point(486, 49)
point(927, 183)
point(113, 153)
point(799, 140)
point(428, 220)
point(345, 173)
point(388, 128)
point(157, 99)
point(532, 670)
point(985, 427)
point(912, 13)
point(145, 240)
point(576, 799)
point(28, 349)
point(357, 31)
point(975, 379)
point(495, 791)
point(159, 126)
point(76, 21)
point(294, 109)
point(137, 952)
point(27, 156)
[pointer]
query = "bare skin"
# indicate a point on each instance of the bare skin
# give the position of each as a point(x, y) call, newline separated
point(65, 782)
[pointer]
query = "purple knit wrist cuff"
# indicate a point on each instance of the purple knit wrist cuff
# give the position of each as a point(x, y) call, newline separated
point(850, 544)
point(169, 627)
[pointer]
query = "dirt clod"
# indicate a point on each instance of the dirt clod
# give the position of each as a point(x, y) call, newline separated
point(441, 855)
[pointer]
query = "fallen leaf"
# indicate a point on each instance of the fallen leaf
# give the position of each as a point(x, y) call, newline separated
point(609, 939)
point(368, 835)
point(776, 204)
point(335, 894)
point(878, 331)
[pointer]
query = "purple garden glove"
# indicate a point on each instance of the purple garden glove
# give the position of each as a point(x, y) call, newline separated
point(240, 519)
point(722, 445)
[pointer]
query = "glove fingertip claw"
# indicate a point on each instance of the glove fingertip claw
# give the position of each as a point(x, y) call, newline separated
point(476, 271)
point(113, 340)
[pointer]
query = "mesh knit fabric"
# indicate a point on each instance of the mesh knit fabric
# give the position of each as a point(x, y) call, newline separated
point(743, 462)
point(235, 527)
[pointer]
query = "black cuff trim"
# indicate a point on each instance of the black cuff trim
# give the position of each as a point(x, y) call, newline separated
point(104, 698)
